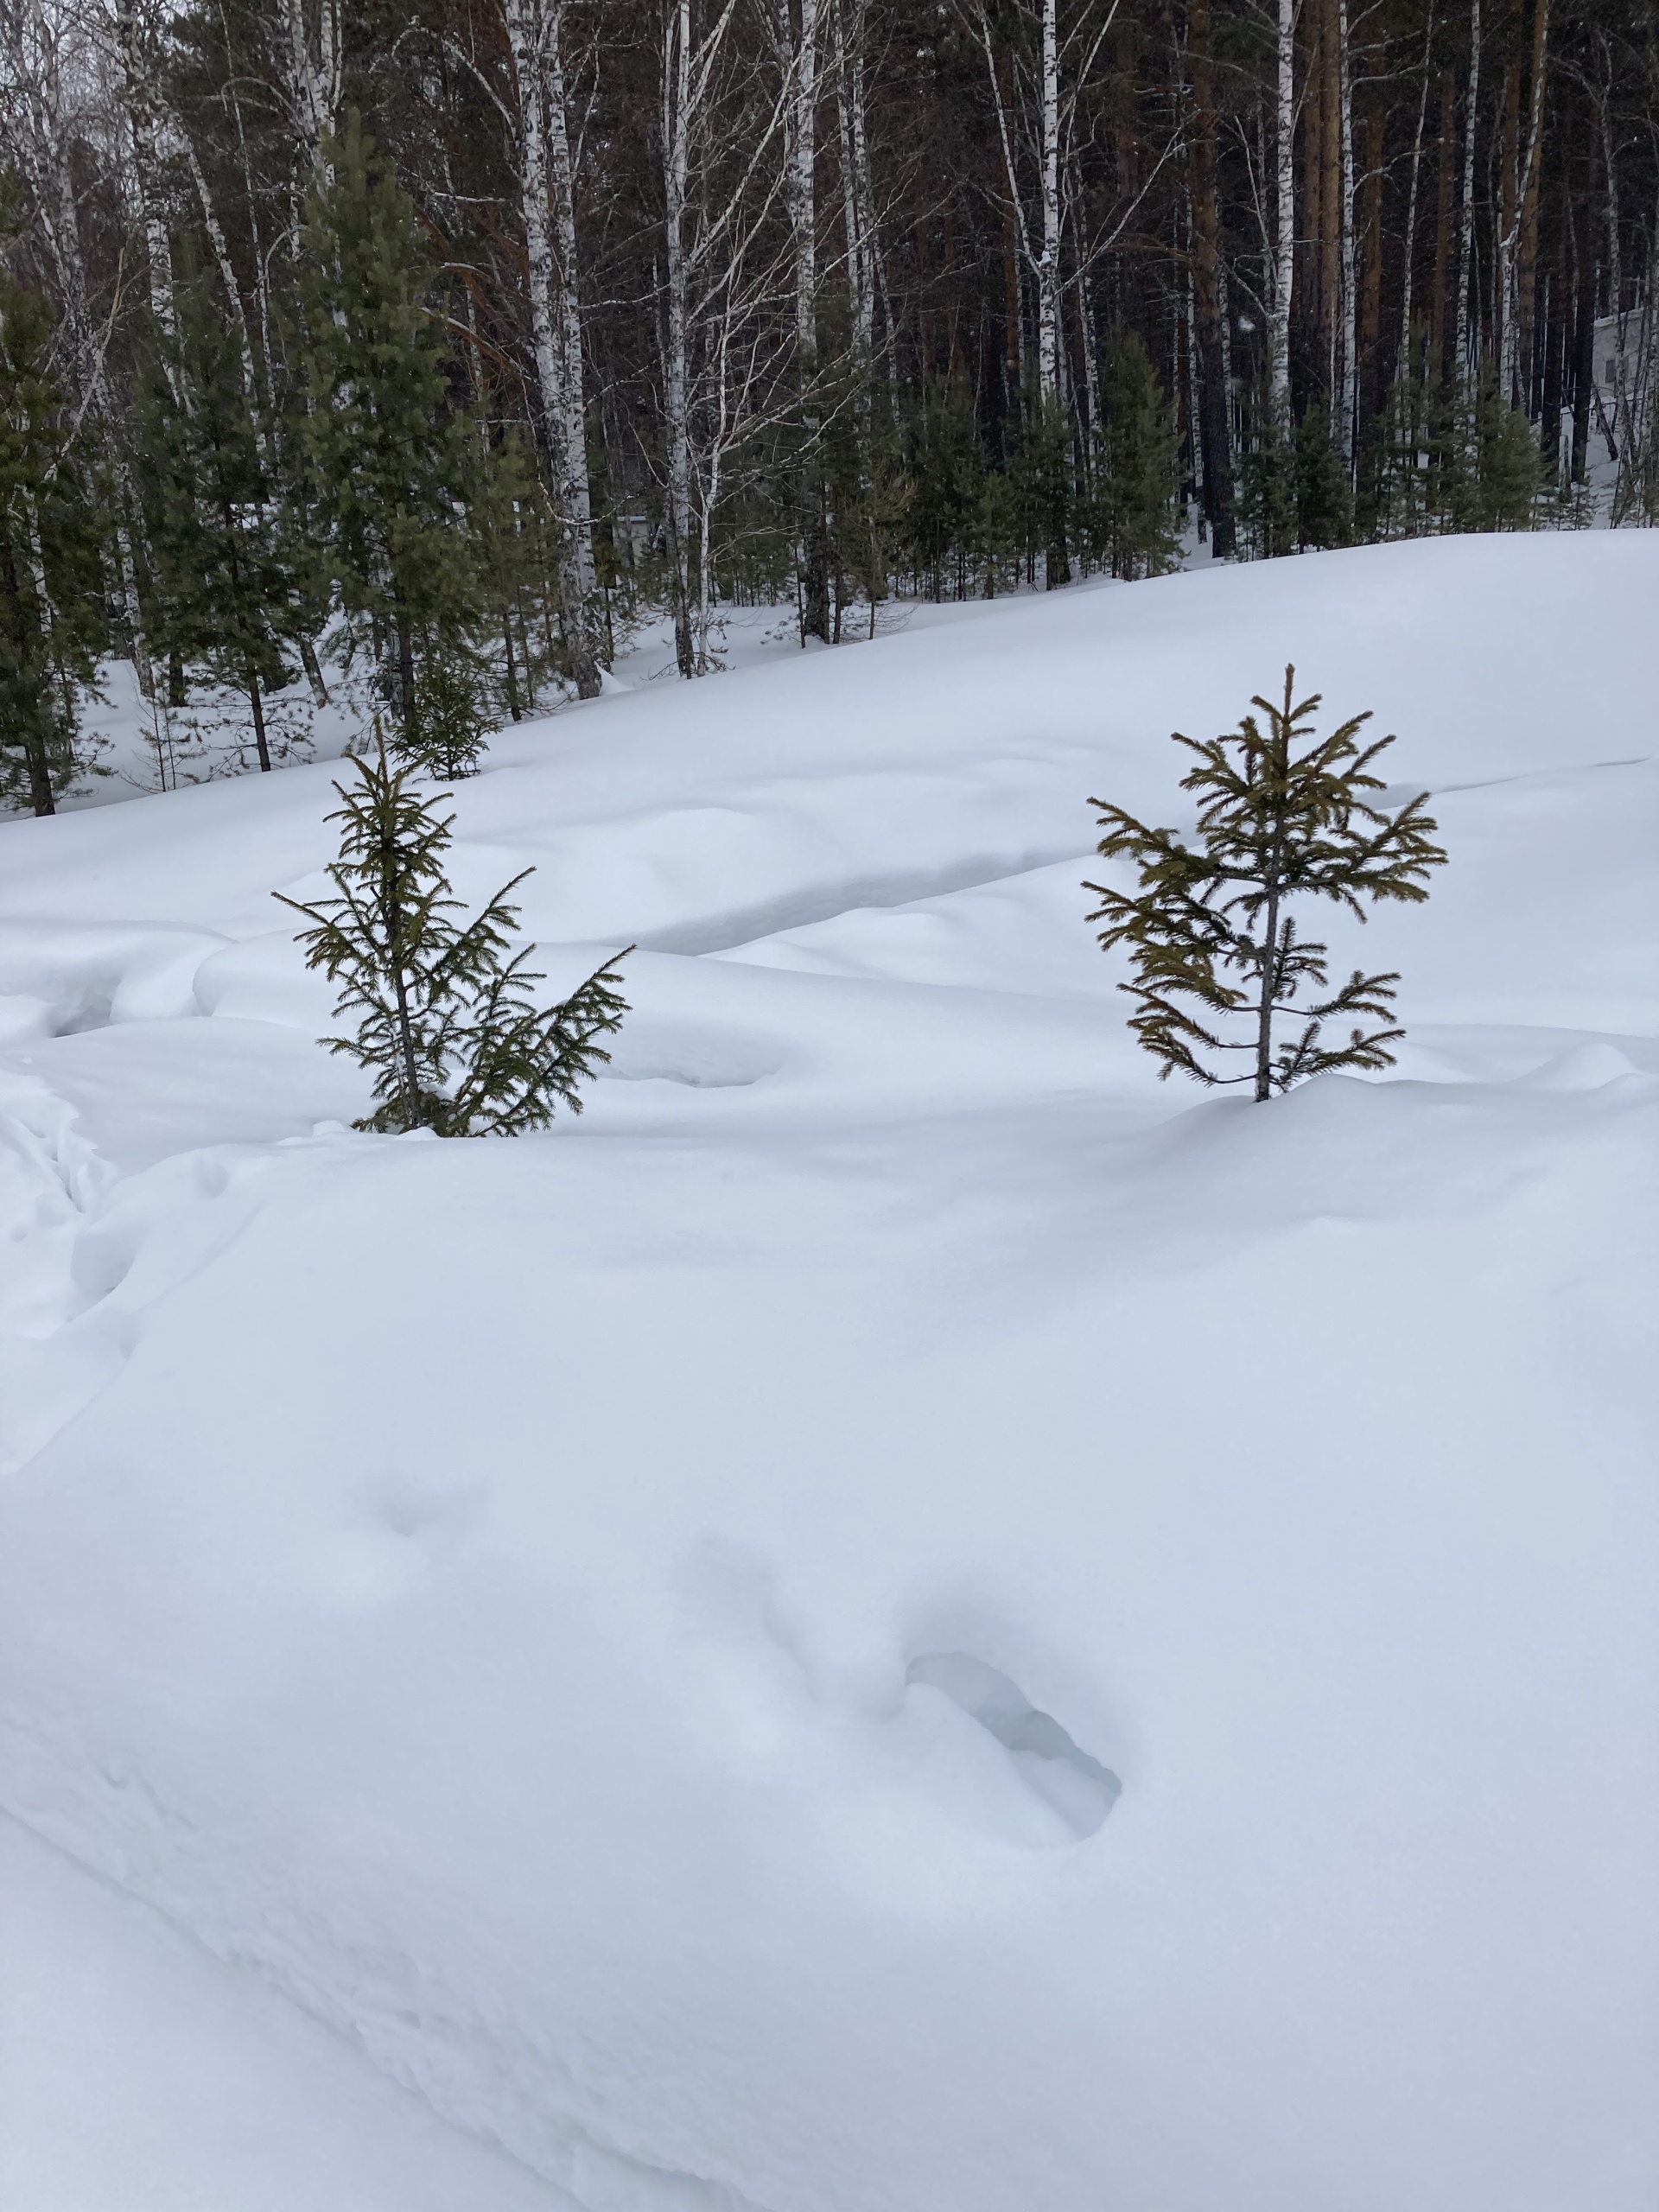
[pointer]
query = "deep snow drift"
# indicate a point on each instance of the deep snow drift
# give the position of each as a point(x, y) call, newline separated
point(641, 1630)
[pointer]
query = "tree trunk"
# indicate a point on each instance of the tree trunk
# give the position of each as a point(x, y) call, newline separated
point(313, 79)
point(1284, 206)
point(1214, 440)
point(257, 703)
point(1509, 221)
point(797, 49)
point(1462, 362)
point(139, 97)
point(676, 102)
point(1048, 267)
point(1328, 229)
point(1369, 386)
point(1346, 340)
point(1446, 189)
point(1404, 365)
point(1526, 273)
point(575, 497)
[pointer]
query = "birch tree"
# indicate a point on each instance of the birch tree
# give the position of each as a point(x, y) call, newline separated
point(724, 380)
point(1284, 204)
point(547, 207)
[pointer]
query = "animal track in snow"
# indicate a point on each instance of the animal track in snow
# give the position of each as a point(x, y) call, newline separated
point(1081, 1790)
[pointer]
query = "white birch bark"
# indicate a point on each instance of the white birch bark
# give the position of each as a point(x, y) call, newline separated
point(546, 186)
point(1284, 208)
point(574, 487)
point(314, 77)
point(1048, 267)
point(849, 24)
point(801, 193)
point(139, 101)
point(676, 95)
point(223, 262)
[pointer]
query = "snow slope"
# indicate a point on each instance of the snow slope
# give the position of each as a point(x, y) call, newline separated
point(513, 1601)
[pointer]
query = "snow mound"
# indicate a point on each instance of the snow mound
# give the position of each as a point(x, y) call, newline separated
point(636, 1629)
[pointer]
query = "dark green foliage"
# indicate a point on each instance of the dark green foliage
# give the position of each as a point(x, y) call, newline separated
point(1268, 479)
point(445, 734)
point(52, 530)
point(228, 592)
point(943, 498)
point(1325, 500)
point(1132, 512)
point(516, 540)
point(446, 1024)
point(393, 464)
point(1043, 493)
point(1509, 469)
point(1276, 823)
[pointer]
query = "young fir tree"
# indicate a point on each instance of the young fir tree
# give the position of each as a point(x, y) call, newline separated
point(226, 579)
point(1268, 478)
point(1282, 815)
point(52, 531)
point(447, 1023)
point(393, 464)
point(1039, 477)
point(942, 496)
point(1133, 511)
point(1324, 498)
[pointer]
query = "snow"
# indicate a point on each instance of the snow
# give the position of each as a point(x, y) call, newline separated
point(626, 1628)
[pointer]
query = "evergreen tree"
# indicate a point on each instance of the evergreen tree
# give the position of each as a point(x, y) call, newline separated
point(1268, 479)
point(394, 465)
point(1039, 478)
point(446, 1024)
point(52, 530)
point(227, 585)
point(944, 478)
point(1325, 499)
point(1396, 486)
point(1133, 510)
point(445, 734)
point(1282, 814)
point(1509, 469)
point(517, 553)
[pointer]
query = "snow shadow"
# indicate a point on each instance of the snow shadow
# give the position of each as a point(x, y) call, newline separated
point(1080, 1789)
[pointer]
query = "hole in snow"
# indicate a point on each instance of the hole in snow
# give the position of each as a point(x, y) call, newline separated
point(1079, 1787)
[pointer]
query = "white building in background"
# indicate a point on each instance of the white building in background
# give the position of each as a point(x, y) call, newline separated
point(1604, 371)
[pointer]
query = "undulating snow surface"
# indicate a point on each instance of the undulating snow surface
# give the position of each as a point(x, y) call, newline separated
point(899, 1619)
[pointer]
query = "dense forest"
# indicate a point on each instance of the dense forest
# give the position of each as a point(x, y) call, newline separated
point(437, 341)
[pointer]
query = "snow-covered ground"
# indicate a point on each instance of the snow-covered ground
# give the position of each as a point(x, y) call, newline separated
point(564, 1615)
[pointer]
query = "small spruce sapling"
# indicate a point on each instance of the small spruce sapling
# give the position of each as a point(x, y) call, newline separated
point(446, 1024)
point(1282, 814)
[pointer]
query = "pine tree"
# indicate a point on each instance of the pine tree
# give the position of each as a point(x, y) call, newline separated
point(446, 1021)
point(1133, 510)
point(1282, 814)
point(393, 464)
point(227, 584)
point(52, 531)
